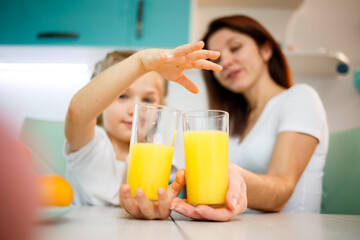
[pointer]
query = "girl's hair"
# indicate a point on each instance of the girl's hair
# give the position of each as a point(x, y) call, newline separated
point(111, 59)
point(235, 103)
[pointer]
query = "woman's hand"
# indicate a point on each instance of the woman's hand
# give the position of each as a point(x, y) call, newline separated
point(236, 201)
point(143, 208)
point(171, 63)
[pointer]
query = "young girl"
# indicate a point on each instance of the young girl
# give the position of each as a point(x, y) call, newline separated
point(97, 156)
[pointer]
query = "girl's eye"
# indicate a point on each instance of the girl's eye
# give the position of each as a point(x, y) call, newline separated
point(122, 96)
point(147, 100)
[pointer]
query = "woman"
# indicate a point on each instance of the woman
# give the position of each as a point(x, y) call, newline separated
point(279, 133)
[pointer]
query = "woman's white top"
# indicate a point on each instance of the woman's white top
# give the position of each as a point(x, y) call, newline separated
point(94, 173)
point(297, 109)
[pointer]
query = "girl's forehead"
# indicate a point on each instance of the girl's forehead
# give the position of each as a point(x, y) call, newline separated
point(149, 81)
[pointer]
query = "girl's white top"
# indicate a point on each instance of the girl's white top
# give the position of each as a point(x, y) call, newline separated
point(94, 173)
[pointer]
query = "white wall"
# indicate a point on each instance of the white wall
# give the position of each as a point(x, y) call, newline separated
point(42, 94)
point(334, 25)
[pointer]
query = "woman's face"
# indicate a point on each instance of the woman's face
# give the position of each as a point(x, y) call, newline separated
point(244, 63)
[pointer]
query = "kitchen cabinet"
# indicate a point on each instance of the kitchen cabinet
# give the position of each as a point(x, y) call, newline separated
point(161, 23)
point(277, 16)
point(134, 23)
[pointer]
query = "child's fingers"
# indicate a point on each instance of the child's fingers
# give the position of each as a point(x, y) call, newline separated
point(128, 202)
point(207, 65)
point(145, 205)
point(187, 48)
point(188, 84)
point(175, 187)
point(164, 204)
point(203, 54)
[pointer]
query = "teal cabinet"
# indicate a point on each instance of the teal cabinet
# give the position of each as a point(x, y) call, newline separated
point(135, 23)
point(161, 23)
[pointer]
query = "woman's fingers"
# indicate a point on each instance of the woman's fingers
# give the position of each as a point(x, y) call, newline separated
point(209, 213)
point(145, 205)
point(181, 206)
point(236, 201)
point(200, 212)
point(236, 197)
point(128, 202)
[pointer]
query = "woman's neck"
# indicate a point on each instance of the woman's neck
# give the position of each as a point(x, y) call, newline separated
point(261, 92)
point(121, 149)
point(257, 97)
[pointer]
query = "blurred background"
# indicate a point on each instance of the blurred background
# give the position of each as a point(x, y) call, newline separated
point(48, 48)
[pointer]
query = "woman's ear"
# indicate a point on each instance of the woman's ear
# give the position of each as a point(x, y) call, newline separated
point(266, 51)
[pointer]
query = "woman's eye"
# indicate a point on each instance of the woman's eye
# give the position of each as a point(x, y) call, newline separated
point(235, 48)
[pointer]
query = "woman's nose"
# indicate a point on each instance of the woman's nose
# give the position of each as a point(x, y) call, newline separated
point(226, 59)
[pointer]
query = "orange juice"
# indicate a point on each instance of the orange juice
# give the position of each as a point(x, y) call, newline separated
point(206, 159)
point(149, 168)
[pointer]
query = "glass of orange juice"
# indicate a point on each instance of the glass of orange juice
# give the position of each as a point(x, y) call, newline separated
point(206, 140)
point(151, 148)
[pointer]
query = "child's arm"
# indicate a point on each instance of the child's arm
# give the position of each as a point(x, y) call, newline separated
point(96, 96)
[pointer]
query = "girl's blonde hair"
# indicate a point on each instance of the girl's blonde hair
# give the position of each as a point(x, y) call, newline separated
point(111, 59)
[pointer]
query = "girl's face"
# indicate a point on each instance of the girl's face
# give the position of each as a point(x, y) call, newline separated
point(118, 117)
point(243, 61)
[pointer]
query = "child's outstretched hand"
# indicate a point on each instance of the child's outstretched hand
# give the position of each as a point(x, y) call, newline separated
point(236, 201)
point(143, 208)
point(172, 63)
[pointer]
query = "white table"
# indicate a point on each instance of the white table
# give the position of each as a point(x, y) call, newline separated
point(107, 223)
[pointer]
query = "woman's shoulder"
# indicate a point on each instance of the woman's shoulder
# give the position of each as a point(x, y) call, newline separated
point(302, 88)
point(303, 93)
point(302, 99)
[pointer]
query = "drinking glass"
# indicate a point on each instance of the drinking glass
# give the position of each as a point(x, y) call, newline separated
point(206, 140)
point(151, 148)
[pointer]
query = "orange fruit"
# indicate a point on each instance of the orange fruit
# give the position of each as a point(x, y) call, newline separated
point(54, 190)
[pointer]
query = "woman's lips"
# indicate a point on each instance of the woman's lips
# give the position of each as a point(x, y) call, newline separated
point(232, 75)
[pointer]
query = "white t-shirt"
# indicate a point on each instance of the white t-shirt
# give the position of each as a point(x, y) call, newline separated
point(94, 173)
point(297, 109)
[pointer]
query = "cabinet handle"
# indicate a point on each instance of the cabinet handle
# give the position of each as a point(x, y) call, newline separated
point(58, 35)
point(139, 23)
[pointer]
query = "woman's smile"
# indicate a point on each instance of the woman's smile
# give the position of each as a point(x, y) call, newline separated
point(233, 74)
